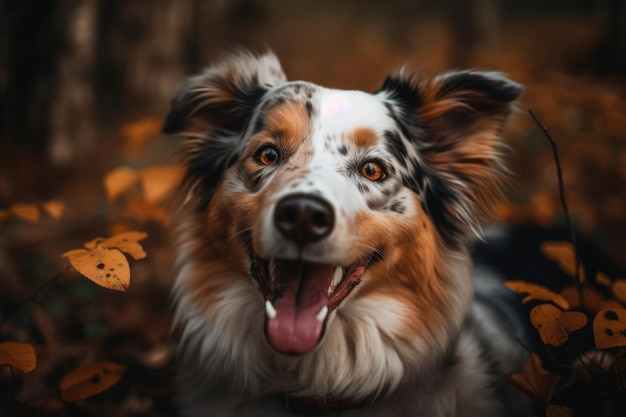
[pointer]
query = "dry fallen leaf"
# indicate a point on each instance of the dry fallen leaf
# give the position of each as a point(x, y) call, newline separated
point(28, 212)
point(90, 379)
point(619, 290)
point(543, 208)
point(159, 181)
point(4, 214)
point(93, 243)
point(20, 356)
point(127, 242)
point(603, 279)
point(145, 211)
point(536, 292)
point(564, 254)
point(535, 380)
point(136, 133)
point(119, 180)
point(55, 208)
point(553, 410)
point(592, 300)
point(103, 263)
point(106, 267)
point(609, 328)
point(554, 325)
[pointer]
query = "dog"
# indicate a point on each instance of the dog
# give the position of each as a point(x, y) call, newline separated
point(324, 265)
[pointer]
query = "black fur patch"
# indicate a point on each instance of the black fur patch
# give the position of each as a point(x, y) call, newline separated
point(228, 116)
point(309, 109)
point(259, 124)
point(208, 162)
point(437, 202)
point(396, 147)
point(500, 90)
point(397, 207)
point(402, 90)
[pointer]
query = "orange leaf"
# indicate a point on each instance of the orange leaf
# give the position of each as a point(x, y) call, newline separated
point(136, 133)
point(118, 181)
point(4, 214)
point(103, 263)
point(543, 209)
point(564, 254)
point(127, 242)
point(90, 379)
point(160, 181)
point(609, 328)
point(118, 226)
point(106, 267)
point(536, 292)
point(144, 211)
point(535, 380)
point(55, 208)
point(28, 212)
point(553, 410)
point(593, 301)
point(619, 290)
point(603, 279)
point(94, 242)
point(20, 356)
point(554, 325)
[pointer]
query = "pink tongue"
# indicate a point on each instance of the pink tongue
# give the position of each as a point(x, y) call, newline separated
point(302, 290)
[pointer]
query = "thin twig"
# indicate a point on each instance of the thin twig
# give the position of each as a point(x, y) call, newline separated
point(568, 221)
point(33, 296)
point(51, 281)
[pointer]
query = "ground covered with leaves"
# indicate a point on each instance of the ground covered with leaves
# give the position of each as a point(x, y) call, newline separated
point(86, 252)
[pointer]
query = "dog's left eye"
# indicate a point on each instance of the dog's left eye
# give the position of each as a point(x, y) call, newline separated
point(267, 155)
point(372, 170)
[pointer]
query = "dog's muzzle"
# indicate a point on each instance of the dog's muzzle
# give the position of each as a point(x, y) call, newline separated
point(299, 294)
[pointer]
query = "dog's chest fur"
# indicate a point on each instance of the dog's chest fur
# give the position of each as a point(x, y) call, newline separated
point(325, 259)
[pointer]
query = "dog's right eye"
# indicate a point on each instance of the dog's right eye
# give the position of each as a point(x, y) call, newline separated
point(267, 155)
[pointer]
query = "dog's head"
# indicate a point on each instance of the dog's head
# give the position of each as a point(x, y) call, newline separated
point(318, 198)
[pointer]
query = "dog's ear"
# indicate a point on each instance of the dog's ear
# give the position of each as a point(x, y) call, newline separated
point(212, 110)
point(454, 121)
point(225, 94)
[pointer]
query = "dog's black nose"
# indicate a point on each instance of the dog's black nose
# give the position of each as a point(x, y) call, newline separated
point(304, 218)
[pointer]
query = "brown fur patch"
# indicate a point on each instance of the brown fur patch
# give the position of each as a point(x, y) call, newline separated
point(290, 123)
point(219, 246)
point(458, 108)
point(288, 129)
point(363, 137)
point(410, 270)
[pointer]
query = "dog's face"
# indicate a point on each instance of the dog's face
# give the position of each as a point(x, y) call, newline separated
point(323, 201)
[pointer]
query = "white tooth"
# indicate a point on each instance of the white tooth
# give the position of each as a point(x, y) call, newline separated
point(322, 314)
point(337, 277)
point(270, 310)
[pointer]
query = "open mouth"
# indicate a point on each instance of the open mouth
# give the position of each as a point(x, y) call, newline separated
point(299, 298)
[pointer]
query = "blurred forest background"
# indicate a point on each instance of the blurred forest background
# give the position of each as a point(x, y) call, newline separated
point(84, 85)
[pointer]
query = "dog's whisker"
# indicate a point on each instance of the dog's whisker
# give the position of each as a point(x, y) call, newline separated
point(243, 237)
